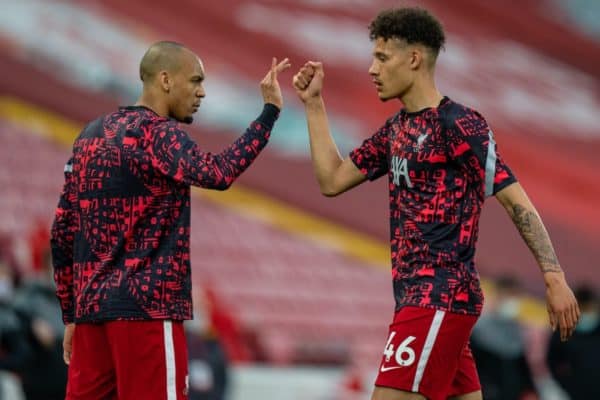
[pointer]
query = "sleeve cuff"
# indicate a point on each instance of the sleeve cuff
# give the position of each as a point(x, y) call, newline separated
point(505, 183)
point(269, 115)
point(68, 318)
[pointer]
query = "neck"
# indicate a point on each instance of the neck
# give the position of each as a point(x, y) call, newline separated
point(151, 101)
point(422, 94)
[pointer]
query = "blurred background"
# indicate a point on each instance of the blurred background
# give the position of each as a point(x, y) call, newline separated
point(293, 291)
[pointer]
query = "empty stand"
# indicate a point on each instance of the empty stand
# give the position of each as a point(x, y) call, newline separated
point(31, 178)
point(290, 292)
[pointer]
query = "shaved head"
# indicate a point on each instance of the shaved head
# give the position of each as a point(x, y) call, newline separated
point(172, 76)
point(161, 56)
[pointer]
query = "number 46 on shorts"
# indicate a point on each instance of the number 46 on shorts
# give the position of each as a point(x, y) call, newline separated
point(404, 355)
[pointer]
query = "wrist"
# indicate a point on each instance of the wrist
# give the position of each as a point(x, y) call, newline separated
point(272, 106)
point(313, 102)
point(552, 278)
point(273, 102)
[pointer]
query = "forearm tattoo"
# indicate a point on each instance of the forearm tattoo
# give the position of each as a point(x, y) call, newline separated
point(535, 235)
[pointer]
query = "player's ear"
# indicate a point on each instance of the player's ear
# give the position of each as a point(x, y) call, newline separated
point(416, 55)
point(164, 81)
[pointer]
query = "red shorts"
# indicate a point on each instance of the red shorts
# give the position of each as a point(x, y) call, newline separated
point(428, 352)
point(128, 360)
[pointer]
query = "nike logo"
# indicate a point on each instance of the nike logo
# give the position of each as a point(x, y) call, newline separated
point(386, 369)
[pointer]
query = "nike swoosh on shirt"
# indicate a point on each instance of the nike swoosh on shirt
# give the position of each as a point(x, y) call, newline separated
point(385, 369)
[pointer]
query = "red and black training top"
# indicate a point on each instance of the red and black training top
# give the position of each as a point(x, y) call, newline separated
point(441, 164)
point(121, 234)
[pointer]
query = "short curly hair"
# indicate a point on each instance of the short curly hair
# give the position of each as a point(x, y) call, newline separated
point(412, 24)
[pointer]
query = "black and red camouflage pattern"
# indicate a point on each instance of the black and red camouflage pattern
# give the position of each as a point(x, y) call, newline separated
point(121, 235)
point(434, 212)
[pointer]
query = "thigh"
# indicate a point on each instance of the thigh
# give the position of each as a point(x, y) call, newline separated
point(91, 374)
point(150, 359)
point(423, 350)
point(469, 396)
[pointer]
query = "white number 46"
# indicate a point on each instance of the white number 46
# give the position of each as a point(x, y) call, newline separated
point(405, 355)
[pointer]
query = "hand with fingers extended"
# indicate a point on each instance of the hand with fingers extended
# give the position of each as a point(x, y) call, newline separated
point(308, 82)
point(269, 86)
point(563, 309)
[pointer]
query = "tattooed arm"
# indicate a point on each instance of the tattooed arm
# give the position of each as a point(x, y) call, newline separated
point(532, 230)
point(562, 306)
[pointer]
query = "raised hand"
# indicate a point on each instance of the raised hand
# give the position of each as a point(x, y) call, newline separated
point(308, 82)
point(269, 86)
